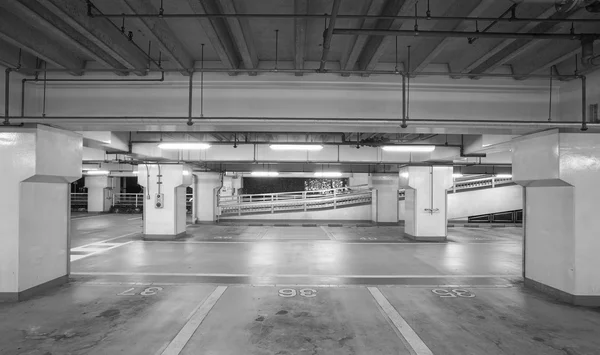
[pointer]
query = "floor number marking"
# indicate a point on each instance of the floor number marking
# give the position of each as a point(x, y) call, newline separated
point(150, 291)
point(290, 292)
point(453, 293)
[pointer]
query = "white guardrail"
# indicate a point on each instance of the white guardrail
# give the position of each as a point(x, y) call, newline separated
point(80, 199)
point(294, 201)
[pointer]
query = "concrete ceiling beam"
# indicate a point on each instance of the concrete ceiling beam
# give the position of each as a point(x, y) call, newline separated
point(373, 7)
point(9, 57)
point(217, 32)
point(513, 48)
point(162, 35)
point(422, 58)
point(20, 34)
point(100, 32)
point(33, 12)
point(300, 7)
point(241, 33)
point(376, 45)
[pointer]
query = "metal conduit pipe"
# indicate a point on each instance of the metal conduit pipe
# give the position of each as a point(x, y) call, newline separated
point(359, 121)
point(346, 16)
point(327, 36)
point(584, 125)
point(464, 34)
point(6, 95)
point(315, 71)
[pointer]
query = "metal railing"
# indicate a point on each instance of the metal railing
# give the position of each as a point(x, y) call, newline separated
point(79, 200)
point(490, 182)
point(294, 201)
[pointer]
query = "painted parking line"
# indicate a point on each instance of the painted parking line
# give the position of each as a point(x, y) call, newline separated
point(108, 273)
point(108, 240)
point(185, 334)
point(93, 249)
point(132, 219)
point(413, 340)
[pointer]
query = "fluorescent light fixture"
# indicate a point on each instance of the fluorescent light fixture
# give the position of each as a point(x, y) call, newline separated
point(504, 176)
point(457, 175)
point(264, 173)
point(311, 147)
point(328, 174)
point(184, 146)
point(409, 148)
point(88, 168)
point(97, 172)
point(135, 172)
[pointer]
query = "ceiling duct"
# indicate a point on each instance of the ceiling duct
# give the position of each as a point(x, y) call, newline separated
point(568, 5)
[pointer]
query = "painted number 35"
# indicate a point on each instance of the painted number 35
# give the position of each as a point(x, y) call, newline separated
point(290, 292)
point(453, 293)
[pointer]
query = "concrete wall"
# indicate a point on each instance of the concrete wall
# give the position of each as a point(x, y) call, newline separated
point(356, 213)
point(484, 201)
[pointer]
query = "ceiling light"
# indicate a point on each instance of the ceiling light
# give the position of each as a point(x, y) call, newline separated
point(184, 146)
point(135, 172)
point(458, 175)
point(409, 148)
point(328, 174)
point(504, 176)
point(264, 173)
point(186, 173)
point(97, 172)
point(296, 146)
point(87, 168)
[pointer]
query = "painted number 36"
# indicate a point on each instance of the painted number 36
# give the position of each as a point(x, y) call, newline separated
point(290, 292)
point(453, 293)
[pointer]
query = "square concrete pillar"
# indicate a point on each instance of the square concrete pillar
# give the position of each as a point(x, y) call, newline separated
point(425, 205)
point(205, 196)
point(560, 173)
point(385, 198)
point(165, 211)
point(99, 191)
point(38, 164)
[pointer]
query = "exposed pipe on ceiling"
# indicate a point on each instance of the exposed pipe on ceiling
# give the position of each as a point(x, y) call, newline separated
point(328, 34)
point(584, 126)
point(465, 34)
point(311, 71)
point(7, 96)
point(346, 16)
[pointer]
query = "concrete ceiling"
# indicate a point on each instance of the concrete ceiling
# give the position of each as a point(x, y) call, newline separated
point(62, 33)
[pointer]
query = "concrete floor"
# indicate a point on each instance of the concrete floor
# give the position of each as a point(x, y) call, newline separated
point(294, 290)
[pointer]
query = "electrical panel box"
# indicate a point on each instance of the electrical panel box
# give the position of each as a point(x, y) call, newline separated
point(159, 200)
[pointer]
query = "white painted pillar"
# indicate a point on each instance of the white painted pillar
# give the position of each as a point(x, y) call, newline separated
point(99, 189)
point(165, 212)
point(425, 214)
point(385, 198)
point(38, 165)
point(207, 185)
point(560, 173)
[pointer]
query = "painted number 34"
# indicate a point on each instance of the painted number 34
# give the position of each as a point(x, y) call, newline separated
point(453, 293)
point(290, 292)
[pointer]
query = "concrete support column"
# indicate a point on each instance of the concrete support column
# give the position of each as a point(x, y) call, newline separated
point(206, 187)
point(38, 165)
point(560, 173)
point(425, 214)
point(385, 199)
point(165, 211)
point(99, 189)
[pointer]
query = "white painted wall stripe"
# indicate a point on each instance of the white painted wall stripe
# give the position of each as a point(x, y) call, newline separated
point(185, 334)
point(108, 273)
point(413, 340)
